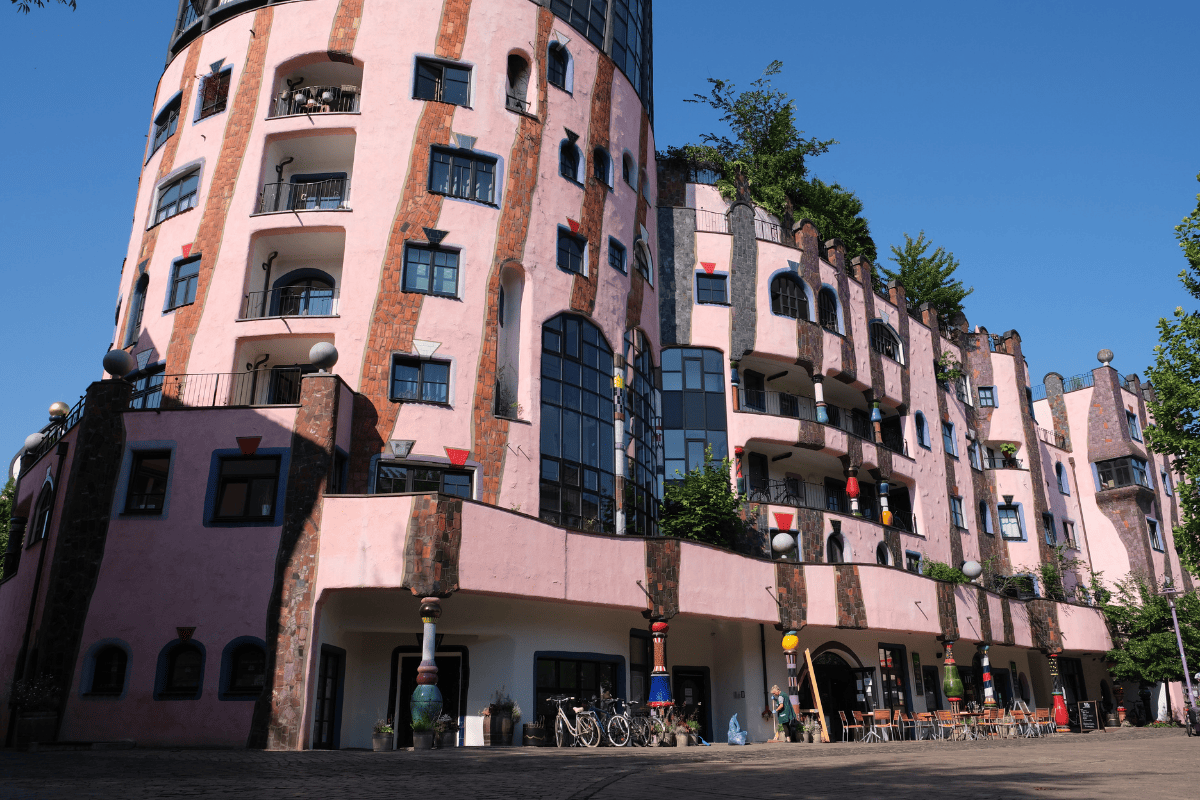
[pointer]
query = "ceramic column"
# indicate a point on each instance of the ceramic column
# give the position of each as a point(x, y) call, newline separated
point(1060, 704)
point(852, 490)
point(790, 643)
point(621, 456)
point(989, 688)
point(426, 704)
point(660, 681)
point(819, 395)
point(952, 685)
point(885, 513)
point(877, 422)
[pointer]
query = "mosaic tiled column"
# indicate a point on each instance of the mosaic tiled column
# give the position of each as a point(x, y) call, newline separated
point(885, 513)
point(426, 704)
point(790, 643)
point(819, 394)
point(852, 490)
point(877, 422)
point(952, 685)
point(660, 681)
point(1060, 704)
point(989, 687)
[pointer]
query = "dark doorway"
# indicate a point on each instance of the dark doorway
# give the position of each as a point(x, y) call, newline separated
point(450, 682)
point(842, 688)
point(933, 697)
point(327, 728)
point(692, 696)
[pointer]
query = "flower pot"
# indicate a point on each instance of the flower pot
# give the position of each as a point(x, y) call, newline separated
point(682, 740)
point(447, 740)
point(808, 737)
point(497, 728)
point(381, 743)
point(533, 735)
point(422, 740)
point(35, 726)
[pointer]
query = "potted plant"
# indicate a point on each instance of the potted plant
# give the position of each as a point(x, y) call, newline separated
point(694, 731)
point(810, 733)
point(447, 732)
point(382, 736)
point(499, 718)
point(422, 736)
point(1010, 454)
point(35, 701)
point(683, 737)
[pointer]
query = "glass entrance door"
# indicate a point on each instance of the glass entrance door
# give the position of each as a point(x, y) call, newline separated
point(329, 676)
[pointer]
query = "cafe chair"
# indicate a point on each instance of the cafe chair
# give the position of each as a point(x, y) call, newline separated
point(848, 729)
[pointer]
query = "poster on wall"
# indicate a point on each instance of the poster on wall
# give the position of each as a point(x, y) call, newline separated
point(917, 684)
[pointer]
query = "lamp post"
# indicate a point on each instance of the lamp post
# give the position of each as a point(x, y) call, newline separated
point(1170, 591)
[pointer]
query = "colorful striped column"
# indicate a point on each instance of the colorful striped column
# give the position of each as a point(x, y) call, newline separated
point(660, 681)
point(1060, 704)
point(790, 643)
point(989, 686)
point(426, 703)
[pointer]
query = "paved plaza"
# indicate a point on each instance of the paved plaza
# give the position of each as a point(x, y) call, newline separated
point(1141, 764)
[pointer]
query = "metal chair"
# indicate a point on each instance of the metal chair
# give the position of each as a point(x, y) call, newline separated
point(945, 724)
point(883, 720)
point(868, 725)
point(848, 729)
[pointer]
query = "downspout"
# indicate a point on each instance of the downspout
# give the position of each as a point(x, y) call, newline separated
point(762, 641)
point(279, 179)
point(262, 311)
point(254, 375)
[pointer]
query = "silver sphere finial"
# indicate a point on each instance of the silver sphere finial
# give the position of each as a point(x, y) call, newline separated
point(1105, 356)
point(33, 440)
point(972, 569)
point(119, 363)
point(323, 355)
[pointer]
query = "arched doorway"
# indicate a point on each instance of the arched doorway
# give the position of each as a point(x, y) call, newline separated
point(843, 687)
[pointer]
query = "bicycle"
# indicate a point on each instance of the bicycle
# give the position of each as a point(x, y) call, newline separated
point(617, 727)
point(584, 733)
point(647, 730)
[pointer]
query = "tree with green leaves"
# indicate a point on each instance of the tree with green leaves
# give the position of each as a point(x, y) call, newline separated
point(928, 277)
point(837, 213)
point(702, 506)
point(23, 6)
point(1175, 406)
point(1144, 644)
point(7, 496)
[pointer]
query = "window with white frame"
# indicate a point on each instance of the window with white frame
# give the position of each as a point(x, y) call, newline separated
point(1010, 523)
point(922, 430)
point(973, 455)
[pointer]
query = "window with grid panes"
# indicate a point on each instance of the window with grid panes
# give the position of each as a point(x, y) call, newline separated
point(1068, 532)
point(948, 440)
point(461, 173)
point(693, 408)
point(571, 249)
point(585, 16)
point(147, 388)
point(1156, 540)
point(1135, 430)
point(214, 93)
point(827, 309)
point(788, 298)
point(557, 59)
point(711, 289)
point(630, 45)
point(165, 123)
point(415, 379)
point(443, 82)
point(176, 197)
point(1120, 472)
point(246, 488)
point(396, 477)
point(884, 342)
point(642, 492)
point(956, 512)
point(431, 270)
point(641, 260)
point(183, 283)
point(568, 162)
point(616, 255)
point(987, 396)
point(577, 444)
point(1010, 523)
point(580, 677)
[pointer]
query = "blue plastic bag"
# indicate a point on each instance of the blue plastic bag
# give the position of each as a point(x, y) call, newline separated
point(736, 734)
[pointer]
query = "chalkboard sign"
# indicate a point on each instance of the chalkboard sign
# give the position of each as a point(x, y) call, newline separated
point(1089, 716)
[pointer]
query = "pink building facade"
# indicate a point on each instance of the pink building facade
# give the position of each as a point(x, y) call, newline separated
point(535, 328)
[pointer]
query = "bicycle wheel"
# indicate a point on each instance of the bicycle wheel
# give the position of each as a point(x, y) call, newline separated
point(639, 733)
point(618, 732)
point(588, 730)
point(657, 732)
point(561, 733)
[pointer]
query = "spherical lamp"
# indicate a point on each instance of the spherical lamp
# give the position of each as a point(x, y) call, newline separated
point(323, 355)
point(33, 441)
point(972, 569)
point(790, 641)
point(782, 542)
point(119, 363)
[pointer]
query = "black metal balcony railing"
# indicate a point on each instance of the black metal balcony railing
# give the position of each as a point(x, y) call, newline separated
point(1002, 462)
point(263, 387)
point(290, 301)
point(905, 521)
point(513, 103)
point(800, 494)
point(50, 437)
point(326, 195)
point(316, 100)
point(1052, 437)
point(783, 404)
point(189, 15)
point(711, 221)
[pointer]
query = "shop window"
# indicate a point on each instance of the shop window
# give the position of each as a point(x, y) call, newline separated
point(582, 677)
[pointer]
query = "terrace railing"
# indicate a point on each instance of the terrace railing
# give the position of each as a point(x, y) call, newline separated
point(711, 221)
point(52, 436)
point(290, 301)
point(768, 231)
point(316, 100)
point(326, 195)
point(263, 387)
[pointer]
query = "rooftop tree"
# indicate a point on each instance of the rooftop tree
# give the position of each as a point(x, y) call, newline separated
point(928, 277)
point(23, 6)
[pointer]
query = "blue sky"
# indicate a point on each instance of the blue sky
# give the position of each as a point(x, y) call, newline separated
point(1051, 146)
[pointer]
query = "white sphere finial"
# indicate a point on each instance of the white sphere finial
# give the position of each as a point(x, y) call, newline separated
point(782, 542)
point(1105, 356)
point(323, 355)
point(972, 569)
point(33, 440)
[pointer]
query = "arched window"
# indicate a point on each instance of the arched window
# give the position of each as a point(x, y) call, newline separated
point(788, 298)
point(247, 670)
point(641, 259)
point(641, 504)
point(922, 429)
point(884, 342)
point(42, 513)
point(508, 345)
point(184, 669)
point(577, 445)
point(883, 554)
point(108, 675)
point(303, 294)
point(827, 309)
point(137, 305)
point(628, 170)
point(568, 161)
point(835, 549)
point(517, 85)
point(602, 166)
point(558, 64)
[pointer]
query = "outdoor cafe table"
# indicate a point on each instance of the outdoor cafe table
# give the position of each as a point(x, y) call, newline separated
point(967, 731)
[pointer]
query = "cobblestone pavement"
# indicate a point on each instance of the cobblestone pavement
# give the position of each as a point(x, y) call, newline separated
point(1143, 764)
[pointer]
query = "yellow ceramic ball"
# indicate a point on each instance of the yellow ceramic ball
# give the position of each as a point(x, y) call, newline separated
point(790, 641)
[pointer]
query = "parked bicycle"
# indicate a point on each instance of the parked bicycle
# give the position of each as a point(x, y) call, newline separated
point(584, 732)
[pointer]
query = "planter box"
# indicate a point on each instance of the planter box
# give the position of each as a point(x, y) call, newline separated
point(35, 726)
point(447, 740)
point(381, 744)
point(422, 740)
point(498, 729)
point(533, 735)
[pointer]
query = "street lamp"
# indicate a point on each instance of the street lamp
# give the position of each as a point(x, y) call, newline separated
point(1169, 591)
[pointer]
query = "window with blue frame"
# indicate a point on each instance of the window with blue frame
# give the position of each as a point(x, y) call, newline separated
point(948, 440)
point(1135, 430)
point(431, 270)
point(463, 174)
point(1156, 539)
point(578, 447)
point(442, 82)
point(956, 512)
point(693, 408)
point(165, 124)
point(1048, 529)
point(616, 255)
point(184, 279)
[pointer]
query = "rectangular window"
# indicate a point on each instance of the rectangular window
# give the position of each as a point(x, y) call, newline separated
point(948, 440)
point(394, 477)
point(1156, 540)
point(956, 512)
point(246, 488)
point(587, 17)
point(442, 82)
point(571, 250)
point(973, 454)
point(165, 124)
point(148, 482)
point(431, 270)
point(1135, 430)
point(183, 283)
point(1166, 482)
point(711, 289)
point(987, 396)
point(176, 197)
point(461, 173)
point(1122, 472)
point(912, 561)
point(414, 379)
point(1068, 532)
point(1010, 523)
point(642, 262)
point(616, 255)
point(147, 388)
point(577, 677)
point(1048, 529)
point(214, 93)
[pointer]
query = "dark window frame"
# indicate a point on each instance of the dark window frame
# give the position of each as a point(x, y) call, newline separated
point(827, 310)
point(181, 203)
point(565, 235)
point(408, 279)
point(956, 513)
point(455, 162)
point(709, 286)
point(1012, 512)
point(570, 160)
point(1116, 473)
point(421, 365)
point(558, 65)
point(171, 689)
point(618, 249)
point(225, 481)
point(166, 123)
point(189, 283)
point(411, 478)
point(949, 440)
point(435, 86)
point(602, 166)
point(147, 387)
point(1157, 542)
point(214, 94)
point(236, 660)
point(112, 687)
point(885, 342)
point(788, 297)
point(138, 463)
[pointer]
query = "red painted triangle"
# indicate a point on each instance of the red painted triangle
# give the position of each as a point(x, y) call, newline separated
point(457, 457)
point(783, 521)
point(187, 250)
point(574, 225)
point(709, 266)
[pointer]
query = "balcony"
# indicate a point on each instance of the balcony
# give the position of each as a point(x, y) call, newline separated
point(331, 194)
point(278, 386)
point(803, 494)
point(291, 301)
point(784, 404)
point(768, 231)
point(341, 99)
point(1002, 462)
point(711, 221)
